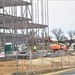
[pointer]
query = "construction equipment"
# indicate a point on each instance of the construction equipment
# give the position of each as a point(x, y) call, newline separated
point(58, 46)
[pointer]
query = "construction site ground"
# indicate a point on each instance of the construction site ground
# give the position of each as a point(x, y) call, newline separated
point(38, 65)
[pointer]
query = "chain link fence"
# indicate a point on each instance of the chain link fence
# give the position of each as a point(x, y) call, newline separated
point(39, 62)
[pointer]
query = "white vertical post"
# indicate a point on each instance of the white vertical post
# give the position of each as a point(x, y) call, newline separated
point(52, 61)
point(17, 61)
point(12, 26)
point(4, 24)
point(38, 15)
point(48, 18)
point(32, 38)
point(30, 68)
point(69, 59)
point(42, 20)
point(61, 62)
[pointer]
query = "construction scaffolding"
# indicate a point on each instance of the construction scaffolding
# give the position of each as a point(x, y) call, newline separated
point(21, 20)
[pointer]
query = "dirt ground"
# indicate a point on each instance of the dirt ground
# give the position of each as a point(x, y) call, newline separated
point(40, 64)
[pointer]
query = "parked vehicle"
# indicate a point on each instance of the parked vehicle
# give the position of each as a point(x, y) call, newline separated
point(26, 55)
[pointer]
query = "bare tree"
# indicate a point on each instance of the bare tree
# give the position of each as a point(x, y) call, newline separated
point(57, 33)
point(63, 37)
point(71, 36)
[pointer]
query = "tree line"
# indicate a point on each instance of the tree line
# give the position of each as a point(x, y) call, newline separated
point(61, 37)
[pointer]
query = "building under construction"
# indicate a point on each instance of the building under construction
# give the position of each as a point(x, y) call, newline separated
point(22, 20)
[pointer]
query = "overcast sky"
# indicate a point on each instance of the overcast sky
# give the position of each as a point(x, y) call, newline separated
point(62, 15)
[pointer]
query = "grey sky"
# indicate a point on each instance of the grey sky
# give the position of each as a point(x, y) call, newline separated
point(62, 15)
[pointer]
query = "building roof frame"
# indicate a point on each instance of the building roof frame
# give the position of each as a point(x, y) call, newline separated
point(8, 3)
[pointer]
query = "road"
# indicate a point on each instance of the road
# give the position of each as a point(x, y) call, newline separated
point(68, 73)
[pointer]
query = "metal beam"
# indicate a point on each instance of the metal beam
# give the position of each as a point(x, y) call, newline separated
point(15, 3)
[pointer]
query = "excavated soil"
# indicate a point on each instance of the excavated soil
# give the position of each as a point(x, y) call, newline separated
point(9, 67)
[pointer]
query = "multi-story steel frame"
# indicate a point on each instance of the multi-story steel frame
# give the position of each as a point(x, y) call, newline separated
point(18, 19)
